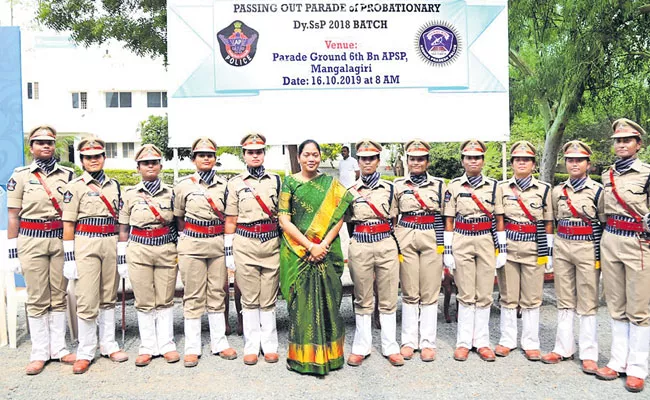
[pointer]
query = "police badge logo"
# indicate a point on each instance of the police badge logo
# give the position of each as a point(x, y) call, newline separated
point(11, 185)
point(67, 197)
point(439, 43)
point(238, 44)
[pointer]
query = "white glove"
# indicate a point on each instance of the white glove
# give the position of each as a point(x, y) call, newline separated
point(646, 222)
point(14, 262)
point(549, 263)
point(70, 265)
point(122, 267)
point(502, 257)
point(448, 257)
point(230, 258)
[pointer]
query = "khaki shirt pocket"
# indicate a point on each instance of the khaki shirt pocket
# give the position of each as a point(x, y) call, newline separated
point(196, 204)
point(247, 200)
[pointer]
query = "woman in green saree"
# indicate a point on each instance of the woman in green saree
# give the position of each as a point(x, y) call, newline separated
point(311, 263)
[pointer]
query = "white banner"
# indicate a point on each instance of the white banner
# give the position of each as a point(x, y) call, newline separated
point(338, 72)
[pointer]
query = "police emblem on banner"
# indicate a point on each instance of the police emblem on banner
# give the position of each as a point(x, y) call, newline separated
point(438, 43)
point(238, 44)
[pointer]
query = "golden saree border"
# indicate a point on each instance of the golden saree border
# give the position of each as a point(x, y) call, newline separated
point(316, 353)
point(323, 217)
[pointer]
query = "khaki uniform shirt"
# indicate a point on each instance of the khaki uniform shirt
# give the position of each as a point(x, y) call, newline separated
point(242, 203)
point(379, 196)
point(431, 193)
point(190, 201)
point(136, 211)
point(24, 191)
point(458, 199)
point(632, 186)
point(588, 201)
point(537, 199)
point(80, 201)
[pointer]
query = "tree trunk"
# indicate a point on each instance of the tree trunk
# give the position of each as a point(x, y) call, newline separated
point(293, 158)
point(551, 149)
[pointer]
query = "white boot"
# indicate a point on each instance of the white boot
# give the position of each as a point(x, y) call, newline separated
point(58, 347)
point(410, 315)
point(565, 344)
point(620, 345)
point(269, 332)
point(389, 334)
point(165, 330)
point(192, 336)
point(107, 343)
point(218, 340)
point(637, 358)
point(87, 332)
point(362, 343)
point(39, 332)
point(465, 330)
point(147, 328)
point(252, 331)
point(428, 326)
point(588, 340)
point(508, 328)
point(530, 329)
point(481, 327)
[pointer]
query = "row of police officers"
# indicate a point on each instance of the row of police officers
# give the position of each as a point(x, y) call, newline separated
point(403, 233)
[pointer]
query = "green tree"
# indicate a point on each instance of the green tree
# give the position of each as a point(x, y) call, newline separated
point(564, 50)
point(330, 152)
point(140, 24)
point(155, 130)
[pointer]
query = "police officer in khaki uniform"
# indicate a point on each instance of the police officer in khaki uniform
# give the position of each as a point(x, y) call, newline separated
point(199, 205)
point(469, 220)
point(35, 229)
point(626, 255)
point(91, 204)
point(420, 234)
point(373, 255)
point(253, 233)
point(577, 205)
point(147, 223)
point(527, 212)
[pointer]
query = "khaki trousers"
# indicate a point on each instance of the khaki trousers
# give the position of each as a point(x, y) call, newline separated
point(576, 278)
point(475, 265)
point(521, 280)
point(626, 278)
point(257, 271)
point(98, 279)
point(370, 261)
point(421, 271)
point(152, 272)
point(42, 263)
point(203, 271)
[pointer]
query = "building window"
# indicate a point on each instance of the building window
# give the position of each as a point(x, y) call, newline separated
point(118, 99)
point(157, 99)
point(80, 100)
point(127, 150)
point(111, 150)
point(32, 90)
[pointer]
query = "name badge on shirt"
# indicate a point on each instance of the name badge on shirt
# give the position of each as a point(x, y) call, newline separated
point(34, 182)
point(93, 194)
point(512, 198)
point(465, 195)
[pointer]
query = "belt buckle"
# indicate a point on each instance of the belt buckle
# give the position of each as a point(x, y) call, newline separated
point(473, 227)
point(148, 233)
point(47, 226)
point(104, 229)
point(257, 228)
point(212, 230)
point(372, 229)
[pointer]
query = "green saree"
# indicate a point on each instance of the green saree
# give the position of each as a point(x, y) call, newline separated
point(313, 290)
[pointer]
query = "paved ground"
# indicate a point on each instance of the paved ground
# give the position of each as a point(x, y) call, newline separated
point(512, 377)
